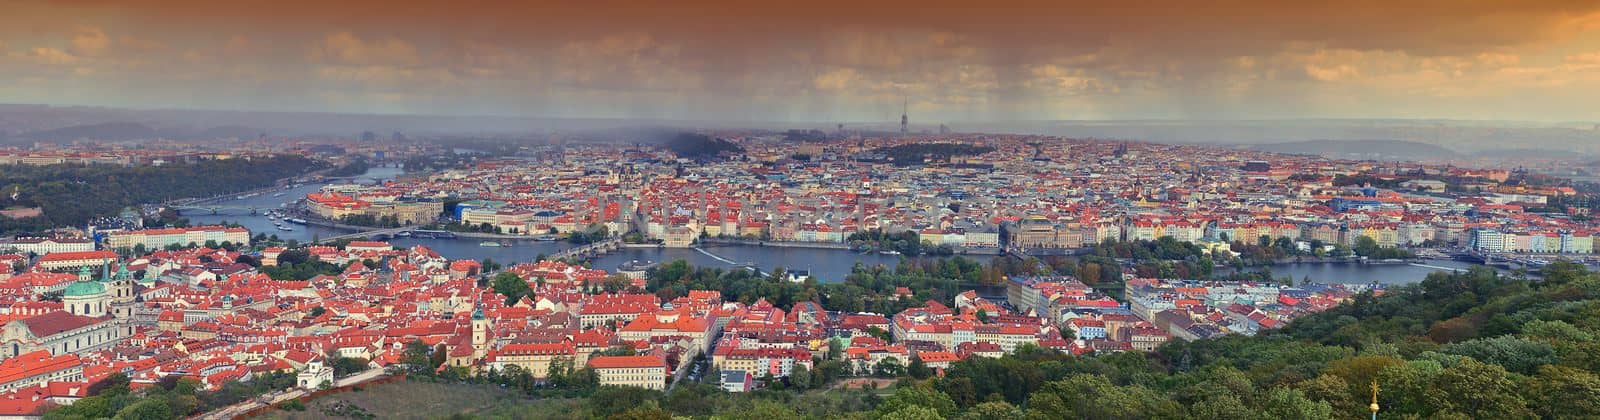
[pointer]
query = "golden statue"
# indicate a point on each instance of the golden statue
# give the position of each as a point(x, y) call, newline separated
point(1374, 406)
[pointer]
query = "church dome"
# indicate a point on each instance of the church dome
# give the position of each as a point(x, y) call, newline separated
point(84, 288)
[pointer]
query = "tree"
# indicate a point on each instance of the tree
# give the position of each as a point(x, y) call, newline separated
point(828, 370)
point(1335, 391)
point(642, 413)
point(1515, 354)
point(416, 355)
point(1092, 396)
point(993, 410)
point(615, 283)
point(512, 286)
point(611, 400)
point(148, 409)
point(889, 367)
point(1477, 390)
point(918, 369)
point(346, 366)
point(1564, 392)
point(913, 413)
point(918, 396)
point(800, 377)
point(1291, 404)
point(771, 410)
point(1222, 406)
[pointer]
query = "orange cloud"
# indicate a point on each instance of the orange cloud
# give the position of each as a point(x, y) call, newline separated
point(90, 41)
point(824, 59)
point(346, 48)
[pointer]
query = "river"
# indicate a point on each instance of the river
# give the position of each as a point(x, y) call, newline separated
point(1360, 273)
point(824, 264)
point(827, 265)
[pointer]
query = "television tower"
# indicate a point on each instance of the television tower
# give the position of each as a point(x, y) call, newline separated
point(904, 108)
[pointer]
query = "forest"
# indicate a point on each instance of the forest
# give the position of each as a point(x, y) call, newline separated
point(700, 146)
point(915, 153)
point(72, 195)
point(866, 288)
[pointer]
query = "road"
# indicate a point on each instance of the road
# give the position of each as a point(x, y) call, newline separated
point(236, 410)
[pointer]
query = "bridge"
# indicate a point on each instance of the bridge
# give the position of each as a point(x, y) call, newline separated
point(368, 234)
point(225, 197)
point(590, 250)
point(218, 209)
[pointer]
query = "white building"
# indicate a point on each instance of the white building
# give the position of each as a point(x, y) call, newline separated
point(160, 238)
point(314, 375)
point(45, 246)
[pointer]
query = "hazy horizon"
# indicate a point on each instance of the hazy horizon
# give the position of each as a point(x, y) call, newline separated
point(803, 122)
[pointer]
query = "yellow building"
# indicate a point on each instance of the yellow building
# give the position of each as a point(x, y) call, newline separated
point(535, 358)
point(649, 372)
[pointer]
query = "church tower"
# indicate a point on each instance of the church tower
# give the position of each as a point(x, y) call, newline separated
point(119, 289)
point(480, 333)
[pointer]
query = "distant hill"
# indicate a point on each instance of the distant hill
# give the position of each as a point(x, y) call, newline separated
point(226, 131)
point(125, 130)
point(1528, 153)
point(700, 146)
point(101, 131)
point(1362, 149)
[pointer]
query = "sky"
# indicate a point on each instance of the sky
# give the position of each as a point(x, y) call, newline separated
point(816, 61)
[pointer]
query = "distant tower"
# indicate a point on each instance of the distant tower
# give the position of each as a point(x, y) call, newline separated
point(905, 107)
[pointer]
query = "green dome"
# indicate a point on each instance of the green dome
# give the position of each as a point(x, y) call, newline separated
point(84, 288)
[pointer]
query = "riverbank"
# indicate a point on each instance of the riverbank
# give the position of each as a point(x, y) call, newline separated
point(824, 245)
point(1329, 260)
point(774, 244)
point(340, 226)
point(311, 220)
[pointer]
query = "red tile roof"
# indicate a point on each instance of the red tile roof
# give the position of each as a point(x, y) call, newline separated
point(613, 362)
point(53, 323)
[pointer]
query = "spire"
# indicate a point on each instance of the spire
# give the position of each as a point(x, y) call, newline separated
point(477, 306)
